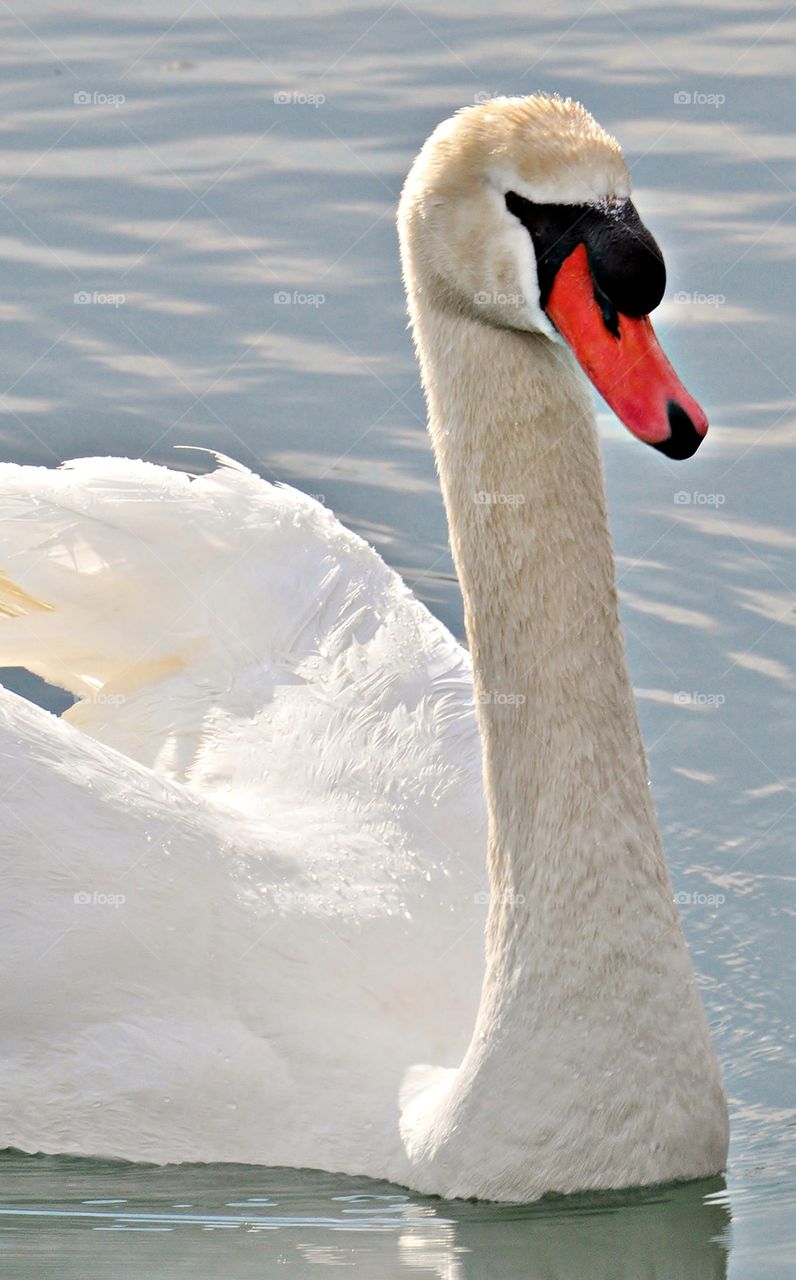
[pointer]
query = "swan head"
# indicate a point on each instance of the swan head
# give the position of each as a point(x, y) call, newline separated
point(517, 213)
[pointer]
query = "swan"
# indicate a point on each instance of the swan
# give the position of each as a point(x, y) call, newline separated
point(245, 877)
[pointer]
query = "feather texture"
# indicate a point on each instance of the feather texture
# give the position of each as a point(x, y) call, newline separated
point(268, 800)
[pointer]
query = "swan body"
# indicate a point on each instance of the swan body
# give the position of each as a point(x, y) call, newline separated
point(245, 876)
point(169, 914)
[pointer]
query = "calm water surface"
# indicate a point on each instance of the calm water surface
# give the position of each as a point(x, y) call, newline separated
point(251, 240)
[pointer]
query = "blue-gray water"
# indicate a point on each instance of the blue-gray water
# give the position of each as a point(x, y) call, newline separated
point(185, 213)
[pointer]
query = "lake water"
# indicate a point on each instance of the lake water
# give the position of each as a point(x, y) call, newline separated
point(221, 190)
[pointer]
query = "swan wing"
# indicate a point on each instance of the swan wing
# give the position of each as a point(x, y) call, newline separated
point(234, 635)
point(273, 759)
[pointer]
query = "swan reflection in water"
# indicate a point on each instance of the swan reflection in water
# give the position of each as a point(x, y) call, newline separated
point(237, 1220)
point(668, 1233)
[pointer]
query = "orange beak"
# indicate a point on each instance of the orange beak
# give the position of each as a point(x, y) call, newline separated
point(625, 362)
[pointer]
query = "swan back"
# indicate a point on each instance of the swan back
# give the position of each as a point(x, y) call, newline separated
point(213, 626)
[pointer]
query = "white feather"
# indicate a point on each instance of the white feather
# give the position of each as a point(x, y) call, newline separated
point(295, 823)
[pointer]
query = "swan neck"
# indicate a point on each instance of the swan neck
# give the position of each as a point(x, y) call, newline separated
point(513, 430)
point(590, 1062)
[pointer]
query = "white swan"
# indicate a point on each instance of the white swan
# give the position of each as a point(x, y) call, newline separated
point(242, 877)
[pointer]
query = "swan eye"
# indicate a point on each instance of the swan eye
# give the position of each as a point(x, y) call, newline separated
point(626, 264)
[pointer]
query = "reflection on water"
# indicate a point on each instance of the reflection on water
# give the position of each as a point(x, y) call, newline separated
point(196, 1219)
point(197, 244)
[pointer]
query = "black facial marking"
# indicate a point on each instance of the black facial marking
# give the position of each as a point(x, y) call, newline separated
point(626, 263)
point(685, 439)
point(610, 313)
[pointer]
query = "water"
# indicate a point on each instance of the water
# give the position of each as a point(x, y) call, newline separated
point(201, 200)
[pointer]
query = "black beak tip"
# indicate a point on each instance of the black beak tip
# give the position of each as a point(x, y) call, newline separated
point(684, 439)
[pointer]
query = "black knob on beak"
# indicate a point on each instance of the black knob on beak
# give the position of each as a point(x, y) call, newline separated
point(625, 260)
